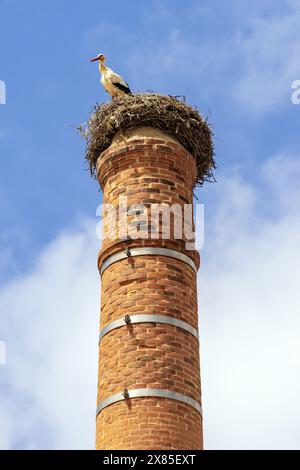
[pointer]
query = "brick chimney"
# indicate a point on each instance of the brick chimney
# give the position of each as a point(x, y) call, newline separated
point(149, 391)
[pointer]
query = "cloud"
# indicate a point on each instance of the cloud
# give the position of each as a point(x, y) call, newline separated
point(249, 310)
point(49, 322)
point(270, 56)
point(249, 326)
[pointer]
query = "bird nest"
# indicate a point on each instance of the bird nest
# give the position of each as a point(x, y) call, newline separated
point(166, 113)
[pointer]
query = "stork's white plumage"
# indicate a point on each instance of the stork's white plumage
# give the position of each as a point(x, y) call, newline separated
point(113, 83)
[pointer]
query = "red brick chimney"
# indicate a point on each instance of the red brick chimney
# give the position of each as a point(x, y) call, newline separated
point(149, 392)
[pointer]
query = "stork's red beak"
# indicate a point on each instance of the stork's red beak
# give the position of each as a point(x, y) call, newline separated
point(94, 60)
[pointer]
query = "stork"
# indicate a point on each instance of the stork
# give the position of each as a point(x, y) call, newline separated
point(113, 83)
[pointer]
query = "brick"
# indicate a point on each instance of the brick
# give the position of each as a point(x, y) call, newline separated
point(148, 355)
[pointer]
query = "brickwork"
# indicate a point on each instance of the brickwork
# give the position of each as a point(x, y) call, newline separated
point(148, 355)
point(149, 171)
point(149, 424)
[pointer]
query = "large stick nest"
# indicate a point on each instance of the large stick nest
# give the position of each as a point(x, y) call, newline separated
point(166, 113)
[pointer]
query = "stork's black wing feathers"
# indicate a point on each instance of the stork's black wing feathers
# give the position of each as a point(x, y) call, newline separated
point(121, 87)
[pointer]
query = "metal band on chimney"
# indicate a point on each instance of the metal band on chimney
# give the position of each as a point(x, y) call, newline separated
point(145, 318)
point(148, 392)
point(148, 251)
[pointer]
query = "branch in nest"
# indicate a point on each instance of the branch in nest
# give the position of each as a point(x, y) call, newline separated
point(170, 114)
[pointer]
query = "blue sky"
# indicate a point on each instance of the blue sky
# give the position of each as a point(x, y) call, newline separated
point(196, 49)
point(236, 62)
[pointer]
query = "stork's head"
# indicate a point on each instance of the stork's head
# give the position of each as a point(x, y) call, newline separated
point(99, 57)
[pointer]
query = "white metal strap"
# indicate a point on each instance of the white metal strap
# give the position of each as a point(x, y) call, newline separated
point(148, 392)
point(147, 251)
point(147, 319)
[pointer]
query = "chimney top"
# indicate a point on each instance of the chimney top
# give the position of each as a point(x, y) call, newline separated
point(168, 114)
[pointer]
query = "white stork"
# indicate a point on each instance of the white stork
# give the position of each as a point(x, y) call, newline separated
point(113, 83)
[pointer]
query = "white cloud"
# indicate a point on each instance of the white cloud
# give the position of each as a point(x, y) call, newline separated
point(250, 327)
point(270, 57)
point(49, 321)
point(249, 309)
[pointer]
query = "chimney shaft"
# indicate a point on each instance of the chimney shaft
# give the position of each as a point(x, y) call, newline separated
point(149, 392)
